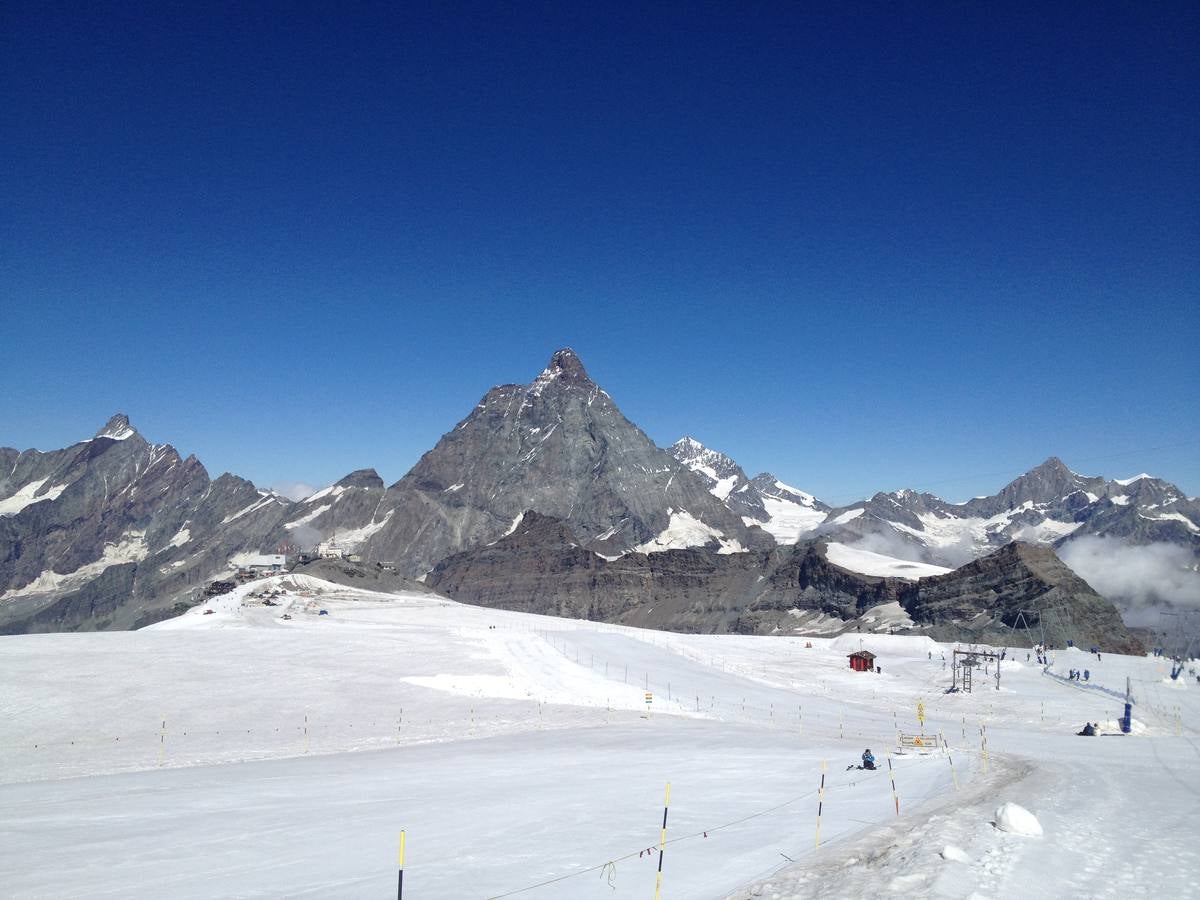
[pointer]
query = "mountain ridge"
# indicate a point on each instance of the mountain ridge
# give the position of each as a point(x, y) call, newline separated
point(557, 446)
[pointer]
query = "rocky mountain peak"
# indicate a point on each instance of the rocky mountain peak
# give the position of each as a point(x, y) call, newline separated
point(361, 478)
point(566, 364)
point(117, 428)
point(1053, 466)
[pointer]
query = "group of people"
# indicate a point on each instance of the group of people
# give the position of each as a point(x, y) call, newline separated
point(1075, 675)
point(1089, 729)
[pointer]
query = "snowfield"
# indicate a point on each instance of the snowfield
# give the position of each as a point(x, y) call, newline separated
point(237, 753)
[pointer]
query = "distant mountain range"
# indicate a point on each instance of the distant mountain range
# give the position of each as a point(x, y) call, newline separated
point(116, 531)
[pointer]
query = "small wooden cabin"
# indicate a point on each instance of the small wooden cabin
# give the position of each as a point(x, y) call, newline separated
point(862, 661)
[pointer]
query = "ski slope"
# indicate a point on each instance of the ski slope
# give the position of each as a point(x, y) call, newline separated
point(240, 754)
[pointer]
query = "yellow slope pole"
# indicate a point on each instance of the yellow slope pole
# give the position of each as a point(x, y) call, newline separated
point(662, 844)
point(400, 881)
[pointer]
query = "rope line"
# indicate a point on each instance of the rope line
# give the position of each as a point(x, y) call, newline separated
point(687, 837)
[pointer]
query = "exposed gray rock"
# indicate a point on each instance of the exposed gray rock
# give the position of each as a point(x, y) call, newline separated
point(542, 568)
point(107, 532)
point(558, 446)
point(1017, 585)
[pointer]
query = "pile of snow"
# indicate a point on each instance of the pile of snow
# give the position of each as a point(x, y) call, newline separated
point(1016, 819)
point(915, 645)
point(954, 854)
point(886, 616)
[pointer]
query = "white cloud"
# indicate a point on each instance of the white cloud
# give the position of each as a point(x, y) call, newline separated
point(1140, 578)
point(293, 490)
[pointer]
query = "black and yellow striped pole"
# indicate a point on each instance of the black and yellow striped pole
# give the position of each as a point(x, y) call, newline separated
point(400, 880)
point(662, 844)
point(820, 804)
point(892, 775)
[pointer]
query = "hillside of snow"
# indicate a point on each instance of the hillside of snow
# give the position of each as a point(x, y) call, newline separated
point(236, 752)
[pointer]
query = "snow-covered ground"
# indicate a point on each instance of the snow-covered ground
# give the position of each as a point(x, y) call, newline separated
point(241, 754)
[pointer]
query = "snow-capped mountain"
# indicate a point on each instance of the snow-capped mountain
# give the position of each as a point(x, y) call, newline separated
point(115, 531)
point(784, 512)
point(722, 476)
point(1048, 504)
point(109, 532)
point(345, 513)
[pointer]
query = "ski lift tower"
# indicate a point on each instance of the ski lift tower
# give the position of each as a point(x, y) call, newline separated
point(965, 662)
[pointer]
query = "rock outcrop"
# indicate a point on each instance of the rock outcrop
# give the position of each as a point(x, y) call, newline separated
point(1020, 587)
point(543, 568)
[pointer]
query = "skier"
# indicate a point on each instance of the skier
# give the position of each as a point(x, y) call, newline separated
point(868, 760)
point(1088, 730)
point(1086, 674)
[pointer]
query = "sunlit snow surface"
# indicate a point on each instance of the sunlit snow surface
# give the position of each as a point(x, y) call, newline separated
point(514, 750)
point(10, 506)
point(869, 563)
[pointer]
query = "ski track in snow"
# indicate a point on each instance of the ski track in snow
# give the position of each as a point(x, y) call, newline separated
point(517, 749)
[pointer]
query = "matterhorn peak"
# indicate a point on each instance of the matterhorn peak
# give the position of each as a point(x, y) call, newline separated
point(117, 428)
point(565, 362)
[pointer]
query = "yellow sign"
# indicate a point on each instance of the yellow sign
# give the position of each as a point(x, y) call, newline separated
point(649, 697)
point(921, 712)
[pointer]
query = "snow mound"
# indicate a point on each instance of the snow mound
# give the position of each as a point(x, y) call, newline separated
point(915, 645)
point(954, 854)
point(1016, 819)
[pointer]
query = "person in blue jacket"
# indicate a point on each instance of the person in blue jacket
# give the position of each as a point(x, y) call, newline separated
point(1086, 674)
point(868, 759)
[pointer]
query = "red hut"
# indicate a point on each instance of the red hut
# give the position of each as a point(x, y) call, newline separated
point(862, 661)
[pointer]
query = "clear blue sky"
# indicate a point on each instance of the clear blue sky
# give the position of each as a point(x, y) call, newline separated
point(877, 246)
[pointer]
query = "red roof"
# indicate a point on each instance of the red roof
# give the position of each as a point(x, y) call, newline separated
point(866, 654)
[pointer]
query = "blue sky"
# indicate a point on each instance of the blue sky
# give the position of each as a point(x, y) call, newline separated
point(876, 246)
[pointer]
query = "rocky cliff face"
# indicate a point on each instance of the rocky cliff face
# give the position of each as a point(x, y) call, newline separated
point(542, 568)
point(1021, 585)
point(558, 446)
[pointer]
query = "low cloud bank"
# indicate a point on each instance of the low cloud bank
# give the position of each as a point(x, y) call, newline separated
point(306, 537)
point(293, 490)
point(1142, 579)
point(890, 543)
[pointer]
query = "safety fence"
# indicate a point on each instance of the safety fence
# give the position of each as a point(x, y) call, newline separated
point(188, 740)
point(819, 794)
